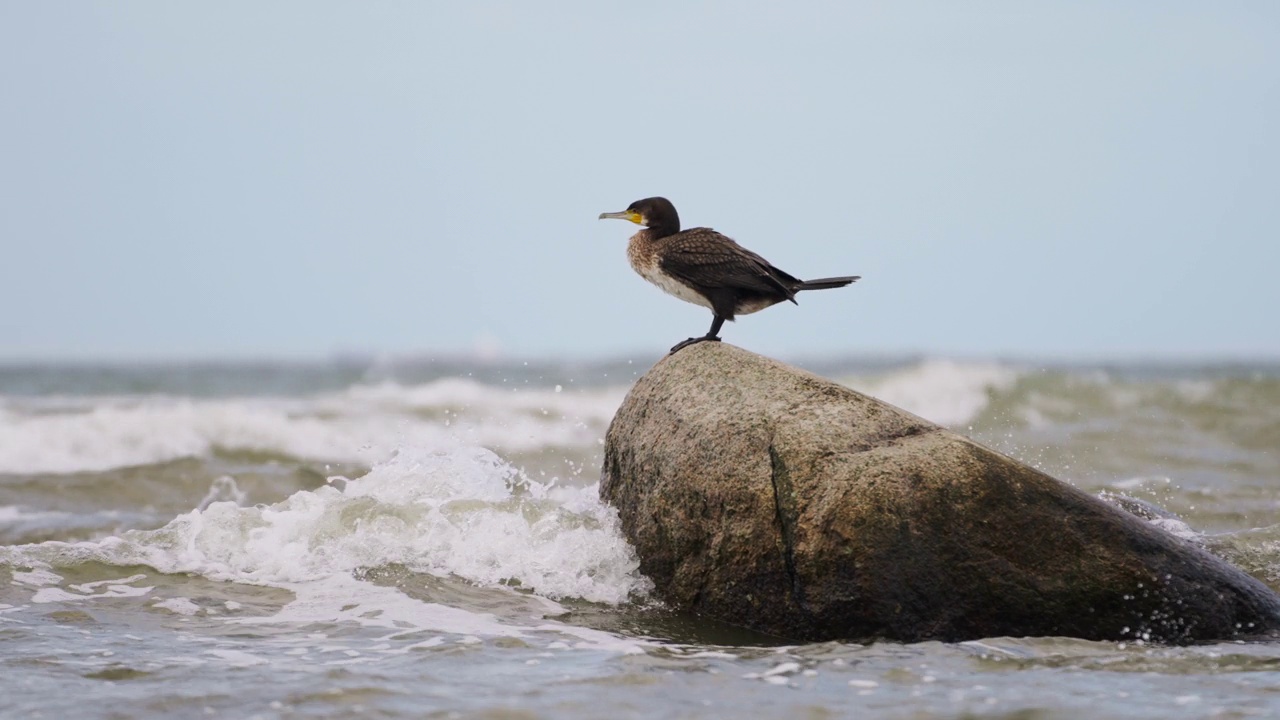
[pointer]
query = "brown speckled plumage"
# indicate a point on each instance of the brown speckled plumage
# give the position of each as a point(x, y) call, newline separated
point(707, 268)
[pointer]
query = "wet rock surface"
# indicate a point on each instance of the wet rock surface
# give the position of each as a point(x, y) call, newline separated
point(773, 499)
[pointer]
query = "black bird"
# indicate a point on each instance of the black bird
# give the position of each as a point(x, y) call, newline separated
point(706, 268)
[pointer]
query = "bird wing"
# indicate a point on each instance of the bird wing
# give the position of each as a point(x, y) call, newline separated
point(705, 258)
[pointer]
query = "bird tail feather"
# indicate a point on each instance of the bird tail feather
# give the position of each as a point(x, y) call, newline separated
point(827, 283)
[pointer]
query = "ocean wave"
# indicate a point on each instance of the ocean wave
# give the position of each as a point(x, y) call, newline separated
point(362, 423)
point(12, 514)
point(947, 392)
point(454, 511)
point(357, 425)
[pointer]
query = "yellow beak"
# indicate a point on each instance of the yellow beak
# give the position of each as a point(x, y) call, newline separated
point(634, 217)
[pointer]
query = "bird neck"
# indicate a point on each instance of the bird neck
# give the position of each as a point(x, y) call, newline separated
point(662, 228)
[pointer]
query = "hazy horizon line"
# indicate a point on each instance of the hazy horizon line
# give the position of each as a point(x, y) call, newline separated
point(356, 357)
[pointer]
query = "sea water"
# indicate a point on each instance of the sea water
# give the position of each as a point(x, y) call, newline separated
point(363, 538)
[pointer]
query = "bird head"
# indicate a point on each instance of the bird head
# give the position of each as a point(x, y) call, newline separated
point(655, 213)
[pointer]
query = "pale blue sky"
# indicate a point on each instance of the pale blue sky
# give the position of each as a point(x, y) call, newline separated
point(259, 179)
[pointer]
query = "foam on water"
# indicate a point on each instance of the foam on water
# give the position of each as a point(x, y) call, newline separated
point(465, 393)
point(450, 511)
point(67, 435)
point(10, 514)
point(358, 424)
point(946, 392)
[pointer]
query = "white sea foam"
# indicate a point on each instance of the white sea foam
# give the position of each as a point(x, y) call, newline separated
point(1141, 482)
point(237, 658)
point(451, 510)
point(178, 606)
point(1196, 391)
point(10, 514)
point(443, 504)
point(359, 424)
point(66, 435)
point(122, 587)
point(464, 393)
point(947, 392)
point(1179, 528)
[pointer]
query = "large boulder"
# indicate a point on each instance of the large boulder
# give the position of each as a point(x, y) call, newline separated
point(770, 498)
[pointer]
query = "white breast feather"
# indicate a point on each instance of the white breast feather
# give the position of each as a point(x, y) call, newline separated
point(671, 286)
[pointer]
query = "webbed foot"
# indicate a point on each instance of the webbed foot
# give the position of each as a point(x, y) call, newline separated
point(693, 341)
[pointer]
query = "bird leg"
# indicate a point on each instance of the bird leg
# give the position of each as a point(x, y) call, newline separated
point(711, 336)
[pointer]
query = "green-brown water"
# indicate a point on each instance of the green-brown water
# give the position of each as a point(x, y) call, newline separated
point(424, 540)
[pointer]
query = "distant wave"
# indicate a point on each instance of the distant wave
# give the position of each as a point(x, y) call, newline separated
point(947, 392)
point(360, 424)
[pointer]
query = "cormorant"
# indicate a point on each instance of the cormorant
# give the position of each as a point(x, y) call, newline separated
point(706, 268)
